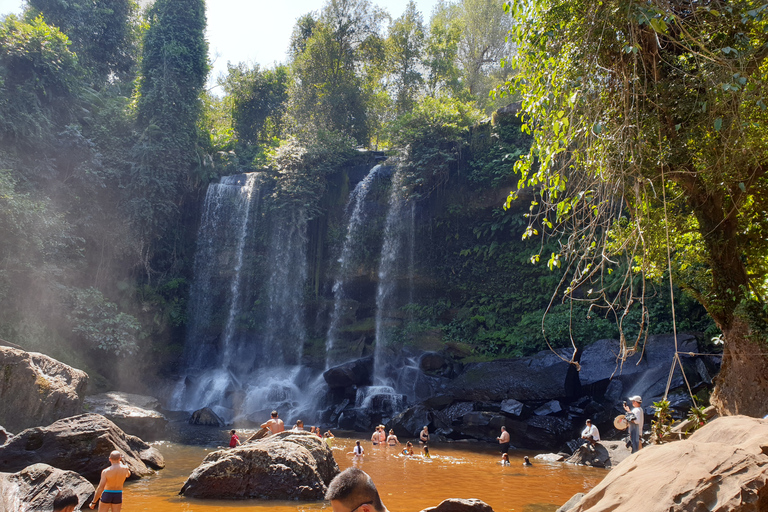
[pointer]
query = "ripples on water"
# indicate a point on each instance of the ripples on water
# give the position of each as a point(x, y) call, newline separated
point(406, 484)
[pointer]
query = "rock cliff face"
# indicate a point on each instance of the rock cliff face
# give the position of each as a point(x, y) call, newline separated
point(286, 466)
point(37, 390)
point(35, 487)
point(82, 444)
point(721, 468)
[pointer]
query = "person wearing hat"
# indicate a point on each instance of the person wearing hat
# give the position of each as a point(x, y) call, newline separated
point(636, 421)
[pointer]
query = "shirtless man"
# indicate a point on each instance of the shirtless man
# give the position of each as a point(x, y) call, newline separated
point(274, 424)
point(109, 493)
point(503, 440)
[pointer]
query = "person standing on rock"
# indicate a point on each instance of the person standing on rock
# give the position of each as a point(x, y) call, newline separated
point(274, 424)
point(635, 419)
point(65, 501)
point(353, 490)
point(590, 433)
point(109, 493)
point(503, 440)
point(234, 440)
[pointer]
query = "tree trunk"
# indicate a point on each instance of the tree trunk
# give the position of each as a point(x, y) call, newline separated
point(741, 386)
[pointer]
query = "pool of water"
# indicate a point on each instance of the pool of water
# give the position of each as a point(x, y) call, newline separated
point(406, 484)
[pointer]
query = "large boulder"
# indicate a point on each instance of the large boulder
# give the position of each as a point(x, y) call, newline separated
point(82, 444)
point(354, 373)
point(35, 487)
point(460, 505)
point(206, 417)
point(606, 454)
point(286, 466)
point(723, 467)
point(134, 414)
point(545, 376)
point(37, 390)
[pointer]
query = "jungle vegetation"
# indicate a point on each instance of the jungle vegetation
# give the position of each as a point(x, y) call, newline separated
point(109, 137)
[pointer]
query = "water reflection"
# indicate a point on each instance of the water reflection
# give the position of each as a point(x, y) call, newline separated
point(406, 484)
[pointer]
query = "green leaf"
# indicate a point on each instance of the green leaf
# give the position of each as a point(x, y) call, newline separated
point(718, 123)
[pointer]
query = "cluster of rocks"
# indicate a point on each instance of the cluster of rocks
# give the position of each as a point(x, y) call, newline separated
point(542, 400)
point(72, 449)
point(722, 467)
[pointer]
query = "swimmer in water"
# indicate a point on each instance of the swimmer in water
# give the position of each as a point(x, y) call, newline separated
point(504, 459)
point(526, 462)
point(408, 450)
point(392, 439)
point(357, 451)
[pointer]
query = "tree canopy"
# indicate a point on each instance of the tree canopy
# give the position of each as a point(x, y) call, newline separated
point(651, 144)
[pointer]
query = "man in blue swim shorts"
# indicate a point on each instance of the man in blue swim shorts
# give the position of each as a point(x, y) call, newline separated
point(109, 493)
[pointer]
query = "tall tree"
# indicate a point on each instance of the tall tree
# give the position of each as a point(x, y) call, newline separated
point(104, 33)
point(650, 124)
point(483, 43)
point(258, 102)
point(174, 67)
point(405, 48)
point(441, 48)
point(329, 92)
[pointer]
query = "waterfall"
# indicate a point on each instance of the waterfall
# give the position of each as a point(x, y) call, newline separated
point(351, 245)
point(246, 330)
point(397, 254)
point(221, 239)
point(285, 331)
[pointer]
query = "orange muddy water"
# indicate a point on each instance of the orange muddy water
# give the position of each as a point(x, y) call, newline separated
point(406, 484)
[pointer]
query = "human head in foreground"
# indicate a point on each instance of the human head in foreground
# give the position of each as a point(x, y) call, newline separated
point(115, 457)
point(353, 490)
point(65, 501)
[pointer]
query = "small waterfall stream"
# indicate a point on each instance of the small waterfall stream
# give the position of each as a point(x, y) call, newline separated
point(397, 253)
point(351, 245)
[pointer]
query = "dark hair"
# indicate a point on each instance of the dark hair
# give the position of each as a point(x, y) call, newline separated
point(353, 487)
point(274, 414)
point(65, 498)
point(232, 432)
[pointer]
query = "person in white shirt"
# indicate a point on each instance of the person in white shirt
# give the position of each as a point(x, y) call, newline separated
point(590, 433)
point(635, 421)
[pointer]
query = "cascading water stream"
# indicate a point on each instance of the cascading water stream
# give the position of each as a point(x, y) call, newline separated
point(395, 260)
point(240, 362)
point(351, 245)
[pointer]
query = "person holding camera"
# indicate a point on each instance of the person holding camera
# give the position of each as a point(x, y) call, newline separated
point(635, 417)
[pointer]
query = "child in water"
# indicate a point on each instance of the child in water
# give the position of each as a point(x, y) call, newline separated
point(526, 462)
point(408, 450)
point(504, 459)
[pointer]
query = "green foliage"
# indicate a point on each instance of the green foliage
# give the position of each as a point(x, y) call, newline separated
point(104, 34)
point(404, 48)
point(492, 166)
point(258, 102)
point(38, 78)
point(303, 169)
point(660, 107)
point(434, 133)
point(174, 67)
point(100, 322)
point(661, 425)
point(697, 417)
point(330, 91)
